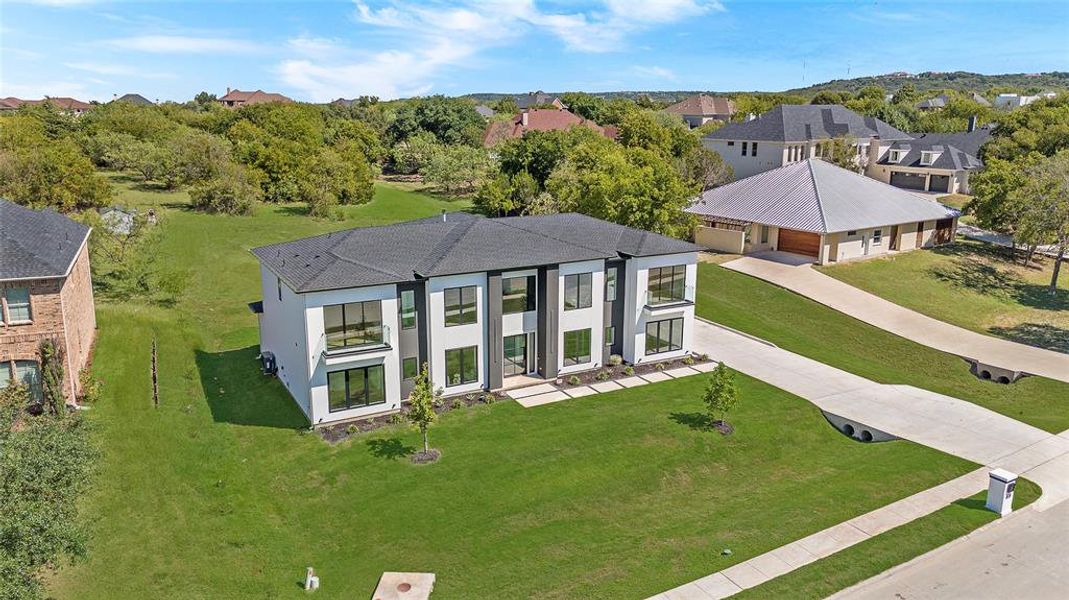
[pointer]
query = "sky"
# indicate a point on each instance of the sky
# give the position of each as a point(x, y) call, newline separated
point(321, 50)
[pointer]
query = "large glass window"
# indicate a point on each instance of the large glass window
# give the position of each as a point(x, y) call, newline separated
point(356, 388)
point(664, 336)
point(515, 354)
point(667, 284)
point(517, 294)
point(460, 306)
point(408, 309)
point(577, 293)
point(576, 347)
point(461, 366)
point(610, 335)
point(354, 324)
point(18, 304)
point(610, 284)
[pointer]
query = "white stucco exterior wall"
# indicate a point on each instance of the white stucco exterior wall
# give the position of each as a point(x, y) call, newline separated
point(583, 318)
point(282, 333)
point(636, 315)
point(442, 338)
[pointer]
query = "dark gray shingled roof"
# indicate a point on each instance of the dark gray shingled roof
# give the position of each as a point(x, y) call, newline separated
point(804, 122)
point(462, 243)
point(958, 151)
point(37, 244)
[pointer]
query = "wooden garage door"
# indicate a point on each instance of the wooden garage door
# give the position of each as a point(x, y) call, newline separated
point(799, 242)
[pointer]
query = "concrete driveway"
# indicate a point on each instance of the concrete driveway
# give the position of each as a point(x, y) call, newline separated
point(785, 271)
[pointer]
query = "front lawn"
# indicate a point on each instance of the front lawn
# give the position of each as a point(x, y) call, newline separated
point(219, 493)
point(973, 285)
point(801, 325)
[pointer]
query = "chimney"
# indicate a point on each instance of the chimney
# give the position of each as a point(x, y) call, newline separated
point(228, 89)
point(443, 215)
point(972, 123)
point(523, 118)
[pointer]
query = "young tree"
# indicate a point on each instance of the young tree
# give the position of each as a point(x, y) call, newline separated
point(843, 152)
point(721, 395)
point(421, 405)
point(45, 467)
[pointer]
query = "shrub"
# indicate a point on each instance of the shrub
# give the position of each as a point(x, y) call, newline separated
point(629, 370)
point(351, 429)
point(233, 191)
point(90, 385)
point(659, 366)
point(457, 403)
point(616, 360)
point(602, 376)
point(574, 380)
point(689, 360)
point(489, 398)
point(703, 356)
point(472, 398)
point(397, 418)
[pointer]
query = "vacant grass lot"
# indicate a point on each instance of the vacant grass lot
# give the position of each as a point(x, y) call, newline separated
point(973, 285)
point(216, 493)
point(801, 325)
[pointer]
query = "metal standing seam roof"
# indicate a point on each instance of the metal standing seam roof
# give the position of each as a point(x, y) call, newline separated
point(37, 244)
point(817, 196)
point(806, 122)
point(458, 243)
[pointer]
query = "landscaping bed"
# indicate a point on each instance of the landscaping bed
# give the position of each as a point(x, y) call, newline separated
point(623, 371)
point(342, 431)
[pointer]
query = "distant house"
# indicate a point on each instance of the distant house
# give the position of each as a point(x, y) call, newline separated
point(699, 110)
point(1012, 101)
point(933, 162)
point(62, 103)
point(45, 294)
point(484, 111)
point(790, 133)
point(942, 100)
point(537, 99)
point(135, 99)
point(539, 119)
point(238, 98)
point(813, 208)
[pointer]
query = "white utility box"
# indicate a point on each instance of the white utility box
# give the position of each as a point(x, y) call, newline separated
point(1000, 491)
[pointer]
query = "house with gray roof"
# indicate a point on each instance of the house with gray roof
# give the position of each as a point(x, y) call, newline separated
point(538, 99)
point(135, 99)
point(931, 162)
point(348, 318)
point(942, 100)
point(46, 294)
point(818, 210)
point(792, 133)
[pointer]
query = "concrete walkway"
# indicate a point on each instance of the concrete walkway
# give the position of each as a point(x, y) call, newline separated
point(776, 268)
point(548, 393)
point(948, 424)
point(973, 232)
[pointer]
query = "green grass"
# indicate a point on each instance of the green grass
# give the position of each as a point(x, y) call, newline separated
point(973, 285)
point(217, 494)
point(875, 555)
point(803, 326)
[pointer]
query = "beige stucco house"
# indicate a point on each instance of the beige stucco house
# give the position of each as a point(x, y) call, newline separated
point(816, 209)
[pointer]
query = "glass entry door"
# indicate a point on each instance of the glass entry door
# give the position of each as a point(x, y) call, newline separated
point(515, 354)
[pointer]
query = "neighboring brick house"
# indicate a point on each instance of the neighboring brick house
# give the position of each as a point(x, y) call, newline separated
point(539, 119)
point(238, 98)
point(46, 292)
point(64, 104)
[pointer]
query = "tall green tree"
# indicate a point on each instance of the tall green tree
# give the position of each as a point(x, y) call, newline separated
point(46, 464)
point(1044, 194)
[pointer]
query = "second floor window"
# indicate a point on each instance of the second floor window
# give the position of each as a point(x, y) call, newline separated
point(18, 305)
point(408, 309)
point(460, 306)
point(353, 324)
point(577, 291)
point(667, 284)
point(610, 284)
point(517, 294)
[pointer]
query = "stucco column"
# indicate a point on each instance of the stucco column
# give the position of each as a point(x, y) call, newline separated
point(495, 342)
point(548, 320)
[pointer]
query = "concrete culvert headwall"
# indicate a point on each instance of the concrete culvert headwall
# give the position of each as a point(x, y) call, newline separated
point(858, 431)
point(993, 373)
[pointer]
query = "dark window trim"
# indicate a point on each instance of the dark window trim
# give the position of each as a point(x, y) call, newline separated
point(463, 314)
point(414, 375)
point(576, 359)
point(670, 323)
point(403, 314)
point(369, 331)
point(531, 296)
point(475, 358)
point(659, 289)
point(588, 278)
point(367, 387)
point(615, 283)
point(610, 335)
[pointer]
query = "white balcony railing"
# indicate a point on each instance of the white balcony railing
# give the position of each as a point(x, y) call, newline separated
point(372, 339)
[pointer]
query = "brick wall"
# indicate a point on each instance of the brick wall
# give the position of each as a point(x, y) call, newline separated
point(61, 309)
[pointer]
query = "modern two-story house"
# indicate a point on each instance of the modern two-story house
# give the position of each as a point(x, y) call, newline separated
point(791, 133)
point(347, 318)
point(46, 293)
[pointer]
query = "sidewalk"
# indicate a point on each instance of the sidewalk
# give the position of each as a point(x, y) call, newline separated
point(902, 321)
point(759, 569)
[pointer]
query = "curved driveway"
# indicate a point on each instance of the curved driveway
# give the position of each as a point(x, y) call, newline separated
point(787, 271)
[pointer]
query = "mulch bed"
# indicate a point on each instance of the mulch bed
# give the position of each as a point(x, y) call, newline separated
point(342, 431)
point(609, 373)
point(426, 458)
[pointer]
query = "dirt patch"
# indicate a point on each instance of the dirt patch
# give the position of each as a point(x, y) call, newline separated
point(723, 427)
point(426, 458)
